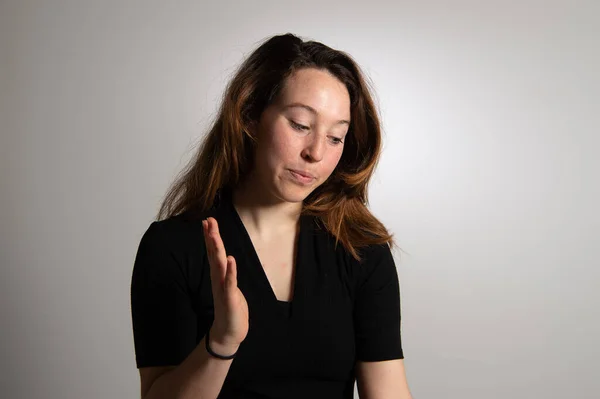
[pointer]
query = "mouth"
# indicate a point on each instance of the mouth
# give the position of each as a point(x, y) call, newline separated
point(302, 177)
point(303, 174)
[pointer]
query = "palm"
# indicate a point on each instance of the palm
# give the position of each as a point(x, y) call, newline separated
point(231, 308)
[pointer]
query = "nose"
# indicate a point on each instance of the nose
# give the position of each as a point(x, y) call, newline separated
point(314, 148)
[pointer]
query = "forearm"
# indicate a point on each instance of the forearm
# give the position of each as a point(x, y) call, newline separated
point(199, 376)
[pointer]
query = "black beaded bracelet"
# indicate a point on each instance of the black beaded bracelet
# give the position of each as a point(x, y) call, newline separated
point(210, 351)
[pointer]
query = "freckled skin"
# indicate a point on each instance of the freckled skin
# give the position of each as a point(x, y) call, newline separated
point(295, 138)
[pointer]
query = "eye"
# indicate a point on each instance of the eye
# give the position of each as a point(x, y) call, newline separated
point(337, 141)
point(298, 126)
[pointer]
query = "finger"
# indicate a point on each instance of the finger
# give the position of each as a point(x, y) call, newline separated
point(218, 249)
point(231, 273)
point(230, 285)
point(215, 268)
point(208, 242)
point(205, 232)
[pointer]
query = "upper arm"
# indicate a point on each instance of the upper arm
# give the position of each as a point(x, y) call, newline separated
point(382, 380)
point(377, 307)
point(164, 320)
point(380, 366)
point(150, 374)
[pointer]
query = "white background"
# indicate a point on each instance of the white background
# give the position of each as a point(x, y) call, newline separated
point(489, 177)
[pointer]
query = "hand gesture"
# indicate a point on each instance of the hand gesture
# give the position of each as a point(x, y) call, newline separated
point(231, 324)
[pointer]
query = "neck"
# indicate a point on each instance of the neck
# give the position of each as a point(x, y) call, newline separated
point(263, 213)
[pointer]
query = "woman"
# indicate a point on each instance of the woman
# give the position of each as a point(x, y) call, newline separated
point(266, 275)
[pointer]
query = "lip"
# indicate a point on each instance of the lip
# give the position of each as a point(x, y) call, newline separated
point(303, 178)
point(303, 174)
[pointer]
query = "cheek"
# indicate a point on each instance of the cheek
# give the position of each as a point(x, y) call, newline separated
point(279, 146)
point(333, 159)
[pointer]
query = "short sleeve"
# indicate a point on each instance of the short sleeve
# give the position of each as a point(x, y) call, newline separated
point(164, 321)
point(377, 307)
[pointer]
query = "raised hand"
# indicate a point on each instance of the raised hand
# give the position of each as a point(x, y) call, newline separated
point(230, 326)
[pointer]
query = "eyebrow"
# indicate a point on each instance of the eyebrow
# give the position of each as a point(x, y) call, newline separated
point(313, 111)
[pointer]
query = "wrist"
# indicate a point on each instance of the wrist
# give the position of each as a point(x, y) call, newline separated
point(219, 348)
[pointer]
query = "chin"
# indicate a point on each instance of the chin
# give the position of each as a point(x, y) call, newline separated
point(297, 195)
point(294, 193)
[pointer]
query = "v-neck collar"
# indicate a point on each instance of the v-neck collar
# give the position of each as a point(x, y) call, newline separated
point(255, 265)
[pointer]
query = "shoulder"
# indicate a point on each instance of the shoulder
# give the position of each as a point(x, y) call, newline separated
point(377, 262)
point(175, 232)
point(374, 258)
point(373, 254)
point(177, 241)
point(171, 250)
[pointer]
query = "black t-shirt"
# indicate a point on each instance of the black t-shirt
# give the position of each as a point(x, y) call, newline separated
point(342, 310)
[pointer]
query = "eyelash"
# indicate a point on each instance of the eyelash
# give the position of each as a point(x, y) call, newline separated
point(300, 128)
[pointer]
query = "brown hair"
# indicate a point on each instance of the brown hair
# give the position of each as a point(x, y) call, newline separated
point(226, 153)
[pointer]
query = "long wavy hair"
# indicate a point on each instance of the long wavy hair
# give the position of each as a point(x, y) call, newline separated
point(226, 153)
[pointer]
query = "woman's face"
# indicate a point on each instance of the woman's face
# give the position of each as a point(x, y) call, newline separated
point(301, 135)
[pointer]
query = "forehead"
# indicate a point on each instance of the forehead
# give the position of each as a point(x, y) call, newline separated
point(318, 89)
